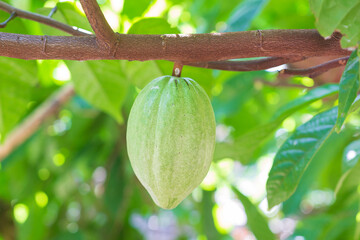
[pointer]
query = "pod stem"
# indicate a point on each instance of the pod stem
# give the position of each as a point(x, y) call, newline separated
point(177, 69)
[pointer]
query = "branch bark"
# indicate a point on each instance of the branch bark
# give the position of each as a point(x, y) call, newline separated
point(101, 27)
point(175, 47)
point(41, 19)
point(34, 121)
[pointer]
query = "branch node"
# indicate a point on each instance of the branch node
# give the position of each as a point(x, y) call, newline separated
point(44, 39)
point(260, 39)
point(163, 41)
point(114, 47)
point(12, 16)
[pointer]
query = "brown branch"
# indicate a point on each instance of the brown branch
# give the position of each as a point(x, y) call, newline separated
point(175, 47)
point(316, 70)
point(247, 65)
point(33, 122)
point(101, 27)
point(41, 19)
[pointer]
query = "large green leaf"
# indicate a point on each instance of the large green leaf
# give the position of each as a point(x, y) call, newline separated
point(323, 171)
point(349, 85)
point(255, 220)
point(295, 155)
point(342, 15)
point(243, 147)
point(241, 17)
point(18, 77)
point(101, 83)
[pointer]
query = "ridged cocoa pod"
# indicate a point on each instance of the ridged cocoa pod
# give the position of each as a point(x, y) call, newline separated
point(171, 138)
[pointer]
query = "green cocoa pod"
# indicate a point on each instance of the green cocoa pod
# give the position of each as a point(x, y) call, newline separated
point(171, 138)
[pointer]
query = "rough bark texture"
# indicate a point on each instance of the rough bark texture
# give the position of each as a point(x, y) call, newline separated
point(174, 47)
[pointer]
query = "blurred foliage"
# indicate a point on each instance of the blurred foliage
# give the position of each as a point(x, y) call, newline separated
point(72, 179)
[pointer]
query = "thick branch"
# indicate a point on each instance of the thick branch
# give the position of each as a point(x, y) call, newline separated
point(317, 70)
point(101, 27)
point(33, 122)
point(249, 65)
point(175, 47)
point(41, 19)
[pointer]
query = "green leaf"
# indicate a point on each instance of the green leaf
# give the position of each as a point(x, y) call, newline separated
point(295, 155)
point(312, 96)
point(349, 181)
point(242, 16)
point(236, 91)
point(141, 73)
point(350, 168)
point(255, 220)
point(243, 147)
point(18, 77)
point(134, 9)
point(101, 83)
point(342, 15)
point(207, 219)
point(351, 155)
point(349, 85)
point(152, 26)
point(323, 171)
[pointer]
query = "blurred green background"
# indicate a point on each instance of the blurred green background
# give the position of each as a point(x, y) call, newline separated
point(72, 179)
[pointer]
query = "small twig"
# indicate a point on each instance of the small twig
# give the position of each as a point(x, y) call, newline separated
point(248, 65)
point(53, 11)
point(41, 19)
point(12, 16)
point(34, 121)
point(101, 27)
point(316, 70)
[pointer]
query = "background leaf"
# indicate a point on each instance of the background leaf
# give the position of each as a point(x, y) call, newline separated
point(241, 17)
point(152, 26)
point(101, 83)
point(255, 220)
point(134, 9)
point(18, 77)
point(244, 146)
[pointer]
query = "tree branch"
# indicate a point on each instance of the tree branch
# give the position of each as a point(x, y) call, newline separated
point(317, 70)
point(247, 65)
point(175, 47)
point(101, 27)
point(33, 122)
point(41, 19)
